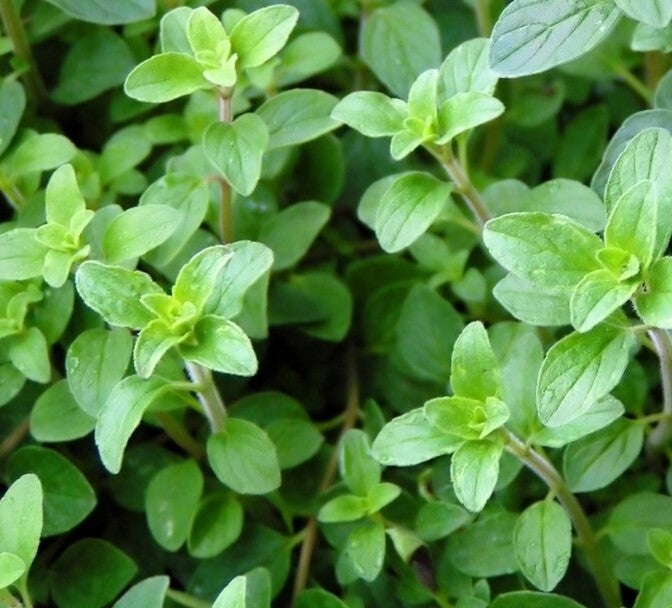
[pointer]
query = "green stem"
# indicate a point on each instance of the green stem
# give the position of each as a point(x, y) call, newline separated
point(209, 397)
point(350, 419)
point(13, 26)
point(464, 187)
point(660, 436)
point(184, 599)
point(174, 429)
point(22, 588)
point(633, 82)
point(483, 17)
point(14, 438)
point(7, 600)
point(226, 211)
point(604, 578)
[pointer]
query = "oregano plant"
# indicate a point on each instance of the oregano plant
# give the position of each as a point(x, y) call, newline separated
point(336, 304)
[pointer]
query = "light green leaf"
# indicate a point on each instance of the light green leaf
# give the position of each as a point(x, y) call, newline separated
point(233, 595)
point(12, 568)
point(297, 116)
point(381, 495)
point(526, 302)
point(170, 513)
point(115, 292)
point(153, 341)
point(100, 11)
point(532, 36)
point(345, 508)
point(137, 230)
point(236, 150)
point(149, 593)
point(598, 459)
point(654, 305)
point(405, 141)
point(295, 441)
point(467, 69)
point(199, 277)
point(371, 113)
point(121, 415)
point(411, 439)
point(260, 35)
point(41, 152)
point(29, 353)
point(598, 295)
point(204, 31)
point(165, 77)
point(359, 470)
point(173, 31)
point(474, 469)
point(217, 524)
point(291, 232)
point(407, 28)
point(62, 197)
point(221, 346)
point(632, 518)
point(365, 549)
point(474, 370)
point(465, 111)
point(550, 251)
point(95, 362)
point(656, 13)
point(244, 458)
point(542, 541)
point(578, 370)
point(656, 591)
point(422, 95)
point(307, 54)
point(660, 544)
point(21, 255)
point(408, 208)
point(21, 518)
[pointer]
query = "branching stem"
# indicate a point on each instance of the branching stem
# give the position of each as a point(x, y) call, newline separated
point(210, 399)
point(660, 436)
point(604, 578)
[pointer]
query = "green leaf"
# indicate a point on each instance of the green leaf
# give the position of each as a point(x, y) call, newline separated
point(466, 418)
point(578, 370)
point(295, 441)
point(244, 458)
point(359, 470)
point(121, 415)
point(12, 105)
point(408, 208)
point(598, 295)
point(466, 69)
point(114, 293)
point(204, 31)
point(422, 96)
point(99, 11)
point(465, 111)
point(474, 469)
point(57, 417)
point(29, 353)
point(345, 508)
point(542, 540)
point(148, 593)
point(297, 116)
point(371, 113)
point(306, 55)
point(656, 13)
point(21, 255)
point(217, 525)
point(123, 151)
point(68, 498)
point(550, 251)
point(12, 568)
point(165, 77)
point(533, 599)
point(632, 222)
point(63, 200)
point(260, 35)
point(660, 544)
point(633, 517)
point(381, 495)
point(436, 520)
point(654, 305)
point(199, 277)
point(656, 591)
point(365, 549)
point(137, 230)
point(526, 302)
point(170, 513)
point(318, 598)
point(408, 29)
point(474, 370)
point(95, 63)
point(236, 150)
point(595, 461)
point(221, 346)
point(426, 331)
point(90, 572)
point(411, 439)
point(96, 361)
point(37, 153)
point(532, 36)
point(291, 232)
point(602, 413)
point(21, 518)
point(11, 382)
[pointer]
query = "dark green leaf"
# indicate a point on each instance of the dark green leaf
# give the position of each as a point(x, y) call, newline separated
point(56, 416)
point(99, 11)
point(217, 524)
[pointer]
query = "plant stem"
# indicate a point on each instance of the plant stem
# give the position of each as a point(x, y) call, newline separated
point(184, 599)
point(13, 26)
point(606, 581)
point(208, 395)
point(633, 82)
point(7, 600)
point(349, 420)
point(226, 210)
point(655, 65)
point(179, 435)
point(483, 17)
point(660, 436)
point(14, 438)
point(469, 193)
